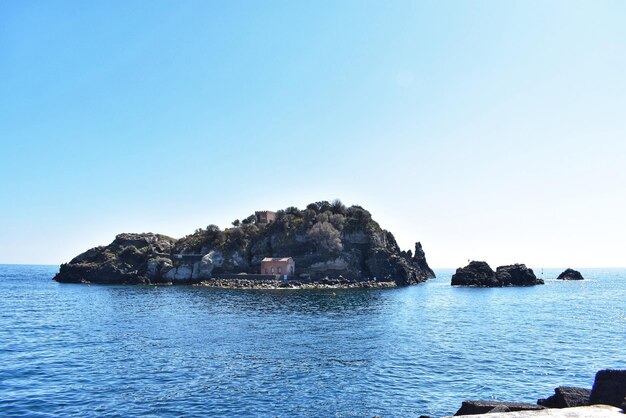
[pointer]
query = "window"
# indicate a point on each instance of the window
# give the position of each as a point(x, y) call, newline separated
point(272, 270)
point(280, 270)
point(266, 271)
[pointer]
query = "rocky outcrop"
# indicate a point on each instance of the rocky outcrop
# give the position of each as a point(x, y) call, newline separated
point(566, 397)
point(609, 388)
point(476, 273)
point(517, 275)
point(479, 274)
point(603, 400)
point(129, 259)
point(420, 259)
point(570, 274)
point(595, 411)
point(326, 240)
point(487, 407)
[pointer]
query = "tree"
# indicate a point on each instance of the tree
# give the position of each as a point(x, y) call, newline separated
point(338, 207)
point(214, 235)
point(249, 220)
point(325, 237)
point(236, 223)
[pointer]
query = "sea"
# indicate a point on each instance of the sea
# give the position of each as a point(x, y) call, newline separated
point(72, 350)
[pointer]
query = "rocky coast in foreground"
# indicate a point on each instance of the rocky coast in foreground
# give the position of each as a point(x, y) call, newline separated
point(607, 398)
point(331, 245)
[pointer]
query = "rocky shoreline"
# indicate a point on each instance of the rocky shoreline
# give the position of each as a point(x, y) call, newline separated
point(609, 389)
point(294, 284)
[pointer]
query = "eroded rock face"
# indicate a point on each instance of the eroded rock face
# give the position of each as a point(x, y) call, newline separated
point(180, 274)
point(570, 274)
point(479, 274)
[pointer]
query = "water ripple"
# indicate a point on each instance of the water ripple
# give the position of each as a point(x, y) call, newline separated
point(74, 350)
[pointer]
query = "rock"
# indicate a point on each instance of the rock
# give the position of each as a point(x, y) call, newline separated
point(517, 275)
point(485, 407)
point(339, 264)
point(500, 408)
point(476, 273)
point(180, 274)
point(570, 274)
point(609, 388)
point(420, 259)
point(156, 266)
point(595, 411)
point(567, 397)
point(209, 261)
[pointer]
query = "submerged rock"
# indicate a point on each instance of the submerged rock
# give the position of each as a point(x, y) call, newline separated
point(567, 397)
point(570, 274)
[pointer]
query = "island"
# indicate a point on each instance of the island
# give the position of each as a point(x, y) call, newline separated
point(325, 245)
point(479, 274)
point(570, 274)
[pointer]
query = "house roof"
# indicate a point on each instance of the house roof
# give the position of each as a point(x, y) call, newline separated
point(277, 259)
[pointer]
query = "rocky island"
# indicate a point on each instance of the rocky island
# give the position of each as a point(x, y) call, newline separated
point(479, 274)
point(327, 245)
point(570, 274)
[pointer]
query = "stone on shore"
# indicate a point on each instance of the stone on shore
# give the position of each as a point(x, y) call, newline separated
point(609, 388)
point(594, 411)
point(567, 397)
point(487, 407)
point(570, 274)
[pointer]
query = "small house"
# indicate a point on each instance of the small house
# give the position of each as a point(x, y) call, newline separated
point(265, 217)
point(282, 266)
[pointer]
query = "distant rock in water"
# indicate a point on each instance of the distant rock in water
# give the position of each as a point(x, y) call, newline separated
point(517, 275)
point(479, 274)
point(326, 240)
point(476, 273)
point(570, 274)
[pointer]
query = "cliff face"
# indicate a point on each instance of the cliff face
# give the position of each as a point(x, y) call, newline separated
point(325, 240)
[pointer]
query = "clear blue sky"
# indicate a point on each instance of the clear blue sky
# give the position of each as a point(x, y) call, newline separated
point(488, 130)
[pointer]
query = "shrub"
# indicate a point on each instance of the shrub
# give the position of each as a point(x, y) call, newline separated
point(325, 237)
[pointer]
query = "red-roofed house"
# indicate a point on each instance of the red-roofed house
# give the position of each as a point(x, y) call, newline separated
point(282, 266)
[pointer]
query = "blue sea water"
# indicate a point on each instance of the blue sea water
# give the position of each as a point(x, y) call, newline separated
point(126, 351)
